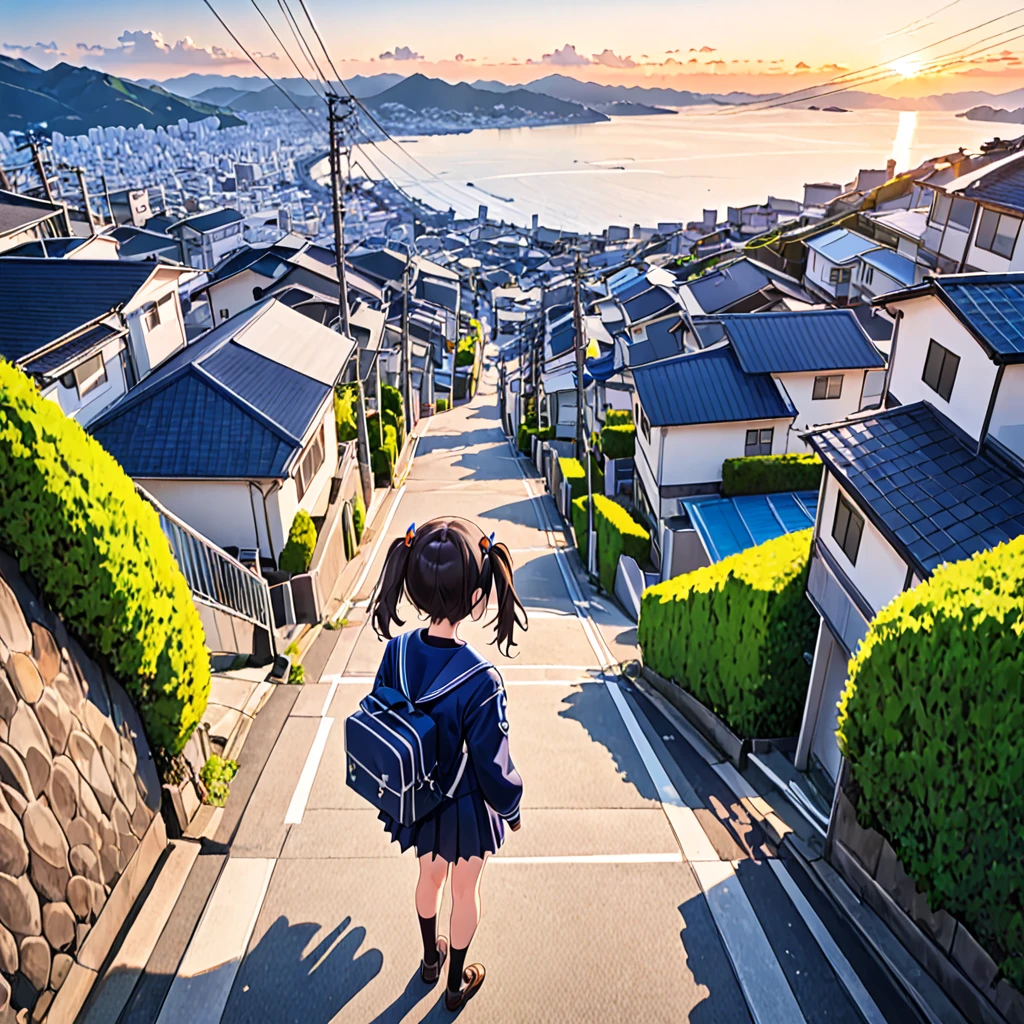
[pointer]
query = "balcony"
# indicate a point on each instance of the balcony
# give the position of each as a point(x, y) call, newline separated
point(837, 600)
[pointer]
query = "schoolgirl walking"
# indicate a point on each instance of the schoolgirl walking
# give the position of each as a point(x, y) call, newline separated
point(429, 745)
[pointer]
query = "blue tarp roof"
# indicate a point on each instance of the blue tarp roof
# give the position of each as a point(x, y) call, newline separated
point(707, 387)
point(729, 525)
point(923, 485)
point(891, 263)
point(800, 342)
point(600, 369)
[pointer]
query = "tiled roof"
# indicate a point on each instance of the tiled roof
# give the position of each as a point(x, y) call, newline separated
point(648, 303)
point(18, 212)
point(707, 387)
point(993, 306)
point(42, 300)
point(922, 485)
point(805, 341)
point(71, 351)
point(724, 288)
point(48, 247)
point(210, 221)
point(1003, 186)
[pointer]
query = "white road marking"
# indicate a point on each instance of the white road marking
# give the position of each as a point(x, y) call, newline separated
point(764, 985)
point(330, 696)
point(200, 989)
point(297, 807)
point(844, 971)
point(596, 858)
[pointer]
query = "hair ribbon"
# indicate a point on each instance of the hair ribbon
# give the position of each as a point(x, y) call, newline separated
point(487, 542)
point(410, 535)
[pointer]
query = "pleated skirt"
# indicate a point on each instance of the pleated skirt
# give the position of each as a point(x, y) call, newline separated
point(456, 830)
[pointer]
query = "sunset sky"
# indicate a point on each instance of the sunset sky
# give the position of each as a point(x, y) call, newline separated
point(706, 45)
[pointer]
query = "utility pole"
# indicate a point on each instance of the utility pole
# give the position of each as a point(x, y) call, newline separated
point(110, 205)
point(406, 351)
point(37, 159)
point(337, 204)
point(80, 174)
point(5, 183)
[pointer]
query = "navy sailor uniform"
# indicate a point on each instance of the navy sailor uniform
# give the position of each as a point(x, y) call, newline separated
point(473, 759)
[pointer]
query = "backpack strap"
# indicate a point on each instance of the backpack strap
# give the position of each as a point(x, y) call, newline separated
point(466, 662)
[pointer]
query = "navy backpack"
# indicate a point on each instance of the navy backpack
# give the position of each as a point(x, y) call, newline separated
point(391, 745)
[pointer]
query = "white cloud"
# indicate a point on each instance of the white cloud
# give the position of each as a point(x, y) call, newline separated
point(566, 57)
point(142, 46)
point(612, 60)
point(34, 51)
point(401, 53)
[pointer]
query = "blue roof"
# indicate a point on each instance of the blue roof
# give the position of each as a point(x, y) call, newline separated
point(42, 300)
point(707, 387)
point(891, 263)
point(71, 351)
point(724, 288)
point(729, 525)
point(210, 221)
point(804, 341)
point(660, 343)
point(840, 245)
point(923, 485)
point(563, 338)
point(992, 307)
point(1003, 186)
point(649, 303)
point(216, 409)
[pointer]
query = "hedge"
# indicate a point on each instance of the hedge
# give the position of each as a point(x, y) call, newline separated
point(358, 515)
point(525, 433)
point(575, 475)
point(618, 440)
point(442, 405)
point(932, 722)
point(616, 532)
point(95, 547)
point(392, 401)
point(346, 397)
point(384, 457)
point(618, 417)
point(466, 353)
point(734, 635)
point(298, 551)
point(769, 474)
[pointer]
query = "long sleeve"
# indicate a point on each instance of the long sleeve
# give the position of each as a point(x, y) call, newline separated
point(487, 741)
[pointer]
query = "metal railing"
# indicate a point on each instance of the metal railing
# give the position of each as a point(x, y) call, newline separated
point(213, 576)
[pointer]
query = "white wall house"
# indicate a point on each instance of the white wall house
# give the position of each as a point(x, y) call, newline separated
point(24, 219)
point(238, 432)
point(936, 477)
point(831, 262)
point(207, 238)
point(119, 321)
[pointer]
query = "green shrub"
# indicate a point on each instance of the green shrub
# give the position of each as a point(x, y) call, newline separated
point(298, 551)
point(734, 635)
point(618, 417)
point(596, 475)
point(466, 353)
point(769, 474)
point(359, 515)
point(442, 405)
point(297, 674)
point(616, 534)
point(217, 774)
point(525, 433)
point(346, 398)
point(383, 458)
point(392, 401)
point(575, 476)
point(75, 522)
point(618, 440)
point(932, 722)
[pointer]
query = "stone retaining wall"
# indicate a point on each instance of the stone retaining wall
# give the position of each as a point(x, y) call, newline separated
point(80, 829)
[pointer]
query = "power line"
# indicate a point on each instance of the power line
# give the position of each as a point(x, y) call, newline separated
point(280, 43)
point(307, 51)
point(256, 64)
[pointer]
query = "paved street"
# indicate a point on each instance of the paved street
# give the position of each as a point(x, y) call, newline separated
point(640, 886)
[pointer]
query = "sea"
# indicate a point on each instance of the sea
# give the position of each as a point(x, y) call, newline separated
point(663, 168)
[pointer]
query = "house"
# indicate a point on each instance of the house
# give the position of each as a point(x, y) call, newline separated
point(428, 280)
point(74, 247)
point(237, 432)
point(832, 258)
point(206, 238)
point(821, 360)
point(23, 219)
point(693, 411)
point(145, 244)
point(88, 330)
point(902, 230)
point(935, 477)
point(880, 271)
point(742, 286)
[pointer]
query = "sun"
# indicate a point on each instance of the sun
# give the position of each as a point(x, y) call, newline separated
point(906, 67)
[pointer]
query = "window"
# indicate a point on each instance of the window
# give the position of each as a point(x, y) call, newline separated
point(151, 316)
point(759, 442)
point(997, 232)
point(645, 423)
point(847, 528)
point(224, 314)
point(940, 209)
point(827, 387)
point(961, 213)
point(869, 275)
point(312, 460)
point(839, 275)
point(940, 368)
point(90, 374)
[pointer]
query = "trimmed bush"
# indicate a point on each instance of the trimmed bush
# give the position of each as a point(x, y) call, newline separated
point(392, 401)
point(575, 475)
point(734, 635)
point(618, 440)
point(616, 533)
point(525, 433)
point(618, 417)
point(217, 774)
point(932, 722)
point(466, 352)
point(359, 515)
point(298, 551)
point(346, 397)
point(75, 522)
point(383, 459)
point(769, 474)
point(442, 405)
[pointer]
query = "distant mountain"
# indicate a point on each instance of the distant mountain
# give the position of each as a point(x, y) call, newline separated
point(565, 88)
point(985, 113)
point(195, 84)
point(271, 98)
point(420, 93)
point(74, 99)
point(623, 108)
point(222, 95)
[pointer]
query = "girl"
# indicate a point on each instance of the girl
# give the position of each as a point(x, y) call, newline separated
point(447, 569)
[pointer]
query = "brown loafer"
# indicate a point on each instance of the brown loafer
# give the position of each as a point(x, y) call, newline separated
point(430, 974)
point(472, 979)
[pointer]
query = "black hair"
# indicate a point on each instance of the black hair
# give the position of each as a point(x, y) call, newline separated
point(439, 567)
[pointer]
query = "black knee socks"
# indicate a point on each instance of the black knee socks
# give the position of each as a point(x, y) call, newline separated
point(428, 929)
point(456, 961)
